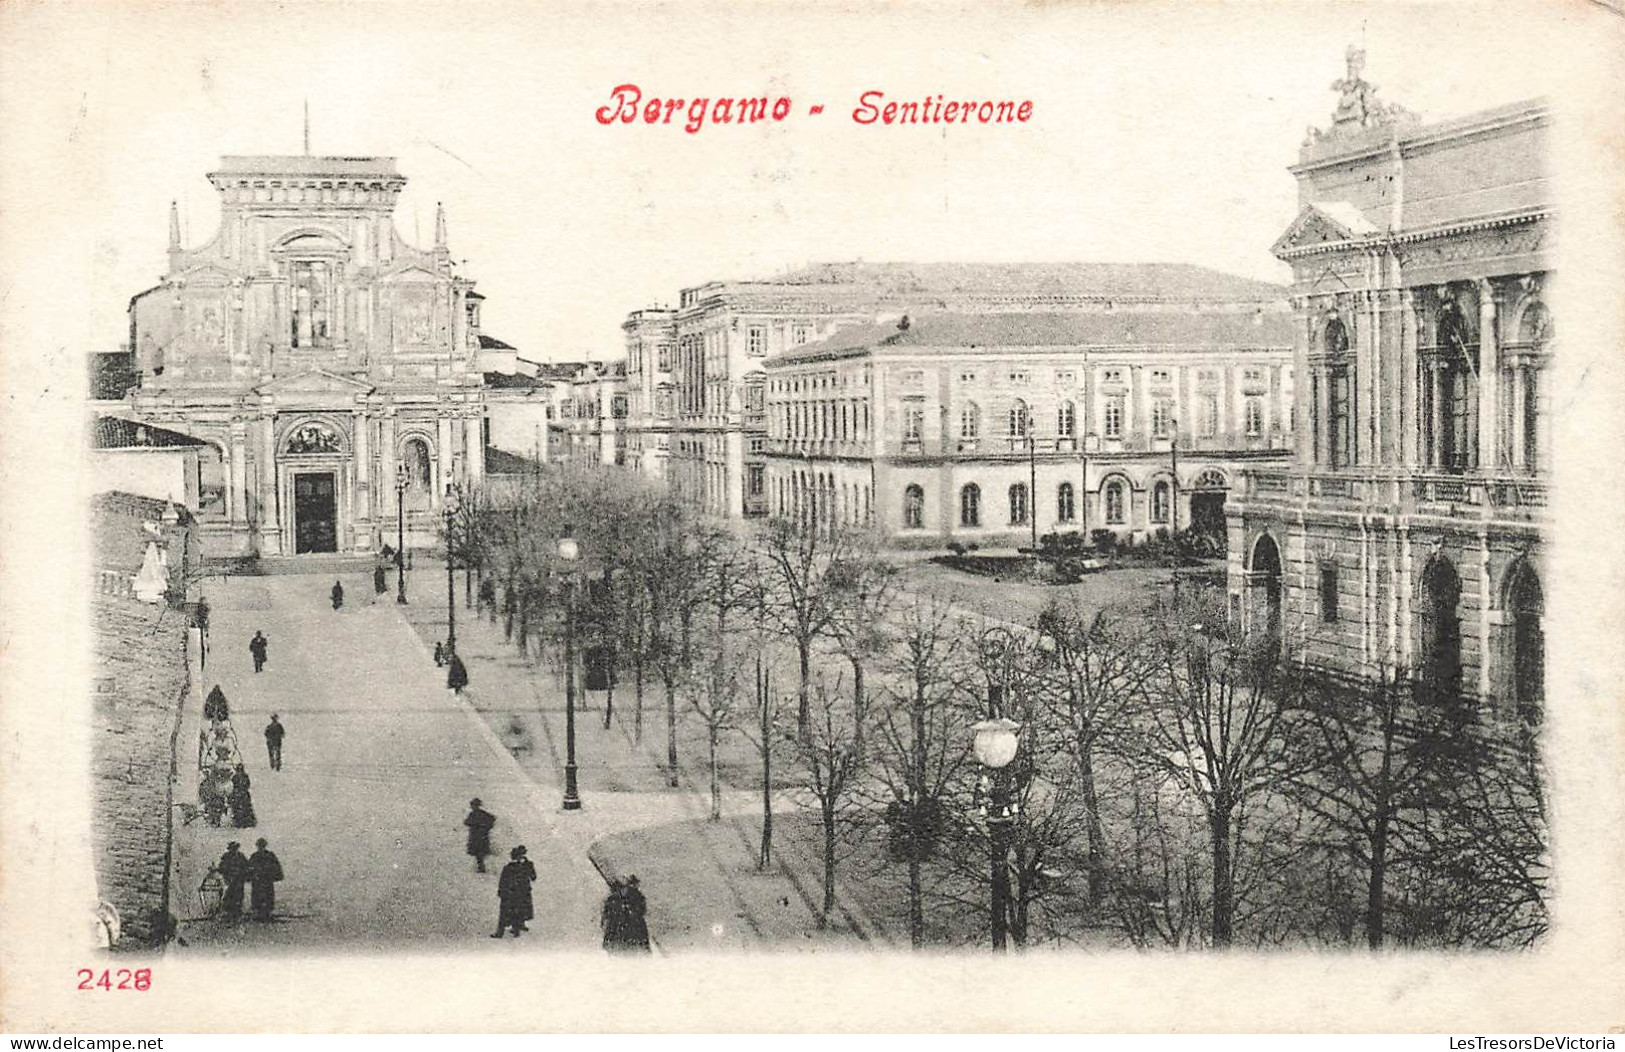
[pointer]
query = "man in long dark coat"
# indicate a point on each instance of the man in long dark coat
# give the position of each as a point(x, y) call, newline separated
point(379, 584)
point(256, 647)
point(513, 894)
point(234, 870)
point(264, 871)
point(479, 823)
point(457, 675)
point(338, 595)
point(274, 733)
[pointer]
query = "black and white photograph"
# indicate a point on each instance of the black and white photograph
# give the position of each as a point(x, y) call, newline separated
point(798, 517)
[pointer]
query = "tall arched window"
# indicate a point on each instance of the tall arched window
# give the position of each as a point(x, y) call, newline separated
point(1018, 504)
point(1527, 605)
point(1453, 392)
point(1159, 502)
point(970, 422)
point(1339, 390)
point(913, 508)
point(1439, 625)
point(1020, 419)
point(1065, 507)
point(1066, 420)
point(1114, 503)
point(970, 505)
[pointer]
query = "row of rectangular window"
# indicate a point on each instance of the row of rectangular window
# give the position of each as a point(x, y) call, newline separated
point(970, 504)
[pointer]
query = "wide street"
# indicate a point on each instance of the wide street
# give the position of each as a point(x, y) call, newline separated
point(379, 765)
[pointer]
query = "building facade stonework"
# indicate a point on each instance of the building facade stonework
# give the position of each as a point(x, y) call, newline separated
point(319, 354)
point(1407, 538)
point(1000, 428)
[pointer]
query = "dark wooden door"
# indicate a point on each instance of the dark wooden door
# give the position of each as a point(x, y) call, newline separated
point(315, 513)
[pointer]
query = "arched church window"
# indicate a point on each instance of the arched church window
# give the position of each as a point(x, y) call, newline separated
point(419, 473)
point(1535, 327)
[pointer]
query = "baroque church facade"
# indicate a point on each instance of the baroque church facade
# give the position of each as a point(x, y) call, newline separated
point(328, 364)
point(1408, 537)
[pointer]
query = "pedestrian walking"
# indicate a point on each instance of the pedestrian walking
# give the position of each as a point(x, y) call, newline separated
point(215, 707)
point(256, 647)
point(612, 915)
point(457, 675)
point(479, 823)
point(274, 733)
point(379, 584)
point(234, 869)
point(439, 654)
point(338, 595)
point(513, 894)
point(488, 598)
point(242, 801)
point(637, 922)
point(264, 871)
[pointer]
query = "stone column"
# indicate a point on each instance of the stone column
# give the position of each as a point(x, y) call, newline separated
point(270, 517)
point(1520, 414)
point(1484, 647)
point(1362, 390)
point(237, 489)
point(1489, 373)
point(1323, 417)
point(363, 470)
point(1410, 423)
point(386, 463)
point(1436, 414)
point(444, 445)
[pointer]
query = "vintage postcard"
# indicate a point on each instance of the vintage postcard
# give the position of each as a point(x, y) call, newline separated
point(798, 516)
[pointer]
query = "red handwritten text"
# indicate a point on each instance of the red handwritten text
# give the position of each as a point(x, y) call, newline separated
point(627, 105)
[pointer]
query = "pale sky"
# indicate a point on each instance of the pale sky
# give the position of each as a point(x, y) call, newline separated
point(1157, 134)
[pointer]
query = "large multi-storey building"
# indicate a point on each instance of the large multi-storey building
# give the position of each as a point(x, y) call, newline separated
point(1408, 536)
point(588, 421)
point(318, 354)
point(998, 428)
point(697, 374)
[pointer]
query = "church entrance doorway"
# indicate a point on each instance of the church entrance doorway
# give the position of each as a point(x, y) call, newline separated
point(315, 513)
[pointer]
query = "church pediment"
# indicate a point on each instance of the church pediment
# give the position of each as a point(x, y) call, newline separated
point(312, 384)
point(1323, 223)
point(206, 275)
point(412, 275)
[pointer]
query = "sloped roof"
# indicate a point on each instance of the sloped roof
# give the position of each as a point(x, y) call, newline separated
point(1128, 280)
point(111, 432)
point(502, 462)
point(1060, 329)
point(491, 343)
point(508, 381)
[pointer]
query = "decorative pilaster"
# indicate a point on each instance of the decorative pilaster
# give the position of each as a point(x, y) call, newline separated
point(237, 490)
point(1520, 416)
point(386, 462)
point(1490, 457)
point(270, 514)
point(446, 459)
point(362, 425)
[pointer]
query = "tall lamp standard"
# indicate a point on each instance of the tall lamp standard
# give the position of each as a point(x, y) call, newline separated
point(995, 741)
point(569, 555)
point(400, 534)
point(451, 585)
point(1173, 457)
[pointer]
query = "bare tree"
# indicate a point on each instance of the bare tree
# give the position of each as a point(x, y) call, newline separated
point(1213, 717)
point(799, 595)
point(922, 739)
point(831, 758)
point(722, 575)
point(1090, 684)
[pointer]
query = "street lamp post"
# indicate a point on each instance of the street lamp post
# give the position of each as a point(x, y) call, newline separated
point(1173, 456)
point(995, 741)
point(400, 534)
point(569, 554)
point(451, 589)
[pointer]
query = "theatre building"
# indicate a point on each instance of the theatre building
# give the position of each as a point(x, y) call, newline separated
point(326, 362)
point(1408, 536)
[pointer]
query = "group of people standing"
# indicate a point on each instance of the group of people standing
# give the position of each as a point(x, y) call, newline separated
point(262, 870)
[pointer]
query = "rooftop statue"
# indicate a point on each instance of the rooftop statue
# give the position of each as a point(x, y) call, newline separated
point(1358, 107)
